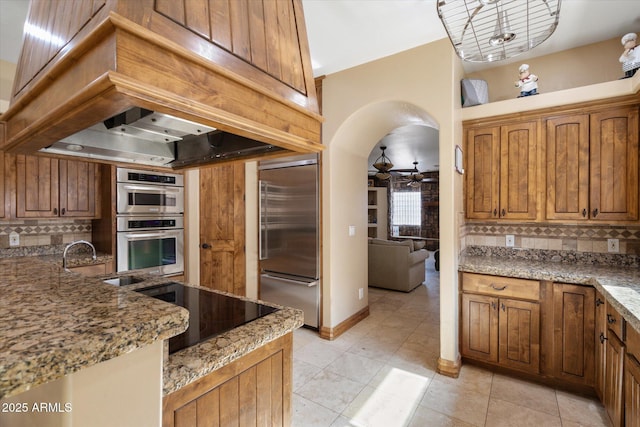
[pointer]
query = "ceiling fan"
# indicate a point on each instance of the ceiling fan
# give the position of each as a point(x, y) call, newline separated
point(415, 177)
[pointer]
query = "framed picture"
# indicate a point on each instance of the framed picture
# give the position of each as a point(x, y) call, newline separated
point(370, 183)
point(459, 166)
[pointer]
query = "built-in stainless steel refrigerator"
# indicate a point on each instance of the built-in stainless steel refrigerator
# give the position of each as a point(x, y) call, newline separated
point(289, 234)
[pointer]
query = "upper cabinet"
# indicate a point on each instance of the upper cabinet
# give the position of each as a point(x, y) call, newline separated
point(592, 165)
point(581, 166)
point(239, 66)
point(49, 188)
point(501, 171)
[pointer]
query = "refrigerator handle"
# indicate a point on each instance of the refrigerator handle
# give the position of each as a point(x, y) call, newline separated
point(262, 208)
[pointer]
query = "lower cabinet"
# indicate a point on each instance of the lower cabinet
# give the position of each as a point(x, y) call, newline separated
point(631, 391)
point(613, 398)
point(573, 333)
point(94, 269)
point(501, 330)
point(601, 348)
point(253, 390)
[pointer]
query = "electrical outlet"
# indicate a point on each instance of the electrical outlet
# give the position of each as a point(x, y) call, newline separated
point(360, 293)
point(352, 230)
point(14, 239)
point(510, 241)
point(613, 245)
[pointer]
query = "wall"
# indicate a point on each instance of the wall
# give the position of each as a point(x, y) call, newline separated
point(582, 66)
point(42, 236)
point(360, 106)
point(7, 73)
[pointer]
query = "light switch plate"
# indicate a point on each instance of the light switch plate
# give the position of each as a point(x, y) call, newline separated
point(613, 245)
point(510, 241)
point(352, 230)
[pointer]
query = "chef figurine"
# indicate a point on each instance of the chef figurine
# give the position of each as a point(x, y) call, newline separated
point(630, 58)
point(528, 82)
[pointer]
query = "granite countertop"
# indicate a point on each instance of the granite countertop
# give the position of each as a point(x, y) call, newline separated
point(54, 323)
point(620, 285)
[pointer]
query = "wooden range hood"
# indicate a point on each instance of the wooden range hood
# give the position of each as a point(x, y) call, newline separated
point(240, 66)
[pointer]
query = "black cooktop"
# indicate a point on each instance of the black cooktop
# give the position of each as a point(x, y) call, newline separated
point(210, 313)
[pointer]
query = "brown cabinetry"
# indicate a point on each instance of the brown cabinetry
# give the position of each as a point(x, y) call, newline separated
point(601, 348)
point(613, 397)
point(95, 269)
point(3, 180)
point(632, 379)
point(497, 326)
point(592, 165)
point(253, 390)
point(501, 171)
point(47, 187)
point(573, 333)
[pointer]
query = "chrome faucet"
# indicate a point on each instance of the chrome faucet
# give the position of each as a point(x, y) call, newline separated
point(77, 242)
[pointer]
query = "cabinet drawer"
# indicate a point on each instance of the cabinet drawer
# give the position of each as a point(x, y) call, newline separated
point(633, 342)
point(615, 322)
point(501, 286)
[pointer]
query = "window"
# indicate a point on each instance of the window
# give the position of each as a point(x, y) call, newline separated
point(406, 207)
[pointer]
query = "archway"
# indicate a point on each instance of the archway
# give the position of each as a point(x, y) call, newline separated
point(344, 174)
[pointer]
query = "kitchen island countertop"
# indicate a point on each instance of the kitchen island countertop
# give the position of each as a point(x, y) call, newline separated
point(54, 323)
point(619, 285)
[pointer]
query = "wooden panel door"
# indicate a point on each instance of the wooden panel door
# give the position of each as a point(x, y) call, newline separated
point(631, 391)
point(573, 333)
point(3, 183)
point(36, 187)
point(519, 342)
point(601, 349)
point(568, 167)
point(518, 179)
point(78, 188)
point(613, 398)
point(483, 172)
point(480, 327)
point(222, 228)
point(614, 164)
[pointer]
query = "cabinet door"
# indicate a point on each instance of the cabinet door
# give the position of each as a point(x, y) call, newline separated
point(631, 391)
point(601, 336)
point(480, 327)
point(36, 187)
point(568, 167)
point(3, 181)
point(483, 173)
point(614, 164)
point(613, 398)
point(77, 188)
point(519, 335)
point(222, 228)
point(518, 160)
point(573, 333)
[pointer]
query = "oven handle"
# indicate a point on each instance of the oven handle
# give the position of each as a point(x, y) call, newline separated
point(147, 235)
point(152, 188)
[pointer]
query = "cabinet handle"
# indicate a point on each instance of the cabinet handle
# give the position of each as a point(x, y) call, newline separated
point(610, 319)
point(493, 305)
point(55, 211)
point(494, 287)
point(495, 212)
point(599, 302)
point(602, 338)
point(503, 307)
point(584, 213)
point(503, 212)
point(595, 212)
point(63, 211)
point(206, 246)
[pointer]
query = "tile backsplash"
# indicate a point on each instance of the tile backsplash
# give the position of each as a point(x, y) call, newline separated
point(578, 238)
point(34, 233)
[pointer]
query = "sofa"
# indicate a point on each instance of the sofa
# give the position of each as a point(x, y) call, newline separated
point(396, 265)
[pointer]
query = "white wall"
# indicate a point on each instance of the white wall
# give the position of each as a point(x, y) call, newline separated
point(360, 106)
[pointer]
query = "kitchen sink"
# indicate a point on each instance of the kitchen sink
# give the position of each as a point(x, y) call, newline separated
point(123, 280)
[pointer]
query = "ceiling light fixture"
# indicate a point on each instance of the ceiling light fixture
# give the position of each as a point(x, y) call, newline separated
point(493, 30)
point(383, 165)
point(415, 179)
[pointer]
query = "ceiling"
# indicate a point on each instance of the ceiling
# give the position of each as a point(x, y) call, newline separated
point(346, 33)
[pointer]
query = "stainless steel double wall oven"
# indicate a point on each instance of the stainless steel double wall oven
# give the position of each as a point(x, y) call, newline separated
point(150, 222)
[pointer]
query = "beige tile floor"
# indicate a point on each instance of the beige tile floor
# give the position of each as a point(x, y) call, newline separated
point(382, 373)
